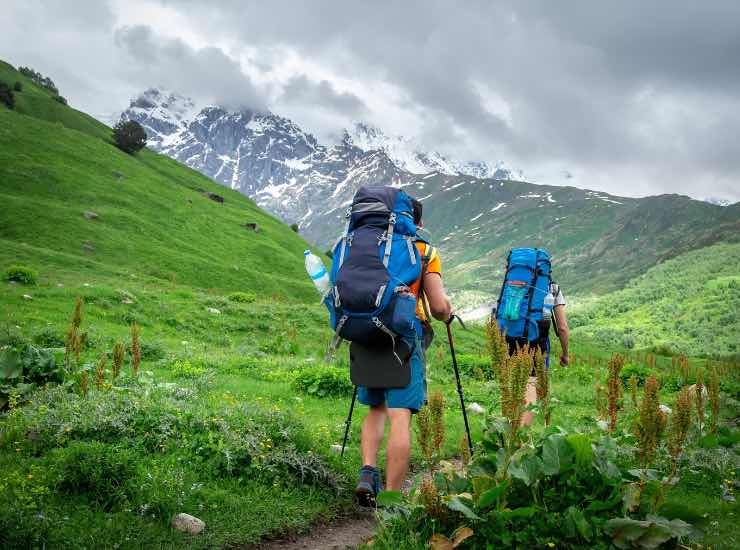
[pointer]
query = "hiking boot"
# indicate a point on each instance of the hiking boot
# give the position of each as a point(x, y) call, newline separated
point(368, 486)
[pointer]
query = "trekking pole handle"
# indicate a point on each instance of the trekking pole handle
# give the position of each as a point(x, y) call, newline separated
point(452, 318)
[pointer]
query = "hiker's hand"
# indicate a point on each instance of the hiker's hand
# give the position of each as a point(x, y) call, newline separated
point(564, 360)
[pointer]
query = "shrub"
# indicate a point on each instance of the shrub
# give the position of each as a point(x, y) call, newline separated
point(38, 78)
point(129, 136)
point(97, 470)
point(640, 372)
point(323, 381)
point(20, 274)
point(242, 297)
point(183, 368)
point(6, 96)
point(49, 337)
point(60, 99)
point(294, 227)
point(17, 87)
point(475, 365)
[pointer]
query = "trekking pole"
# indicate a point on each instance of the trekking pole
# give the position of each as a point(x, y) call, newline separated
point(349, 420)
point(457, 378)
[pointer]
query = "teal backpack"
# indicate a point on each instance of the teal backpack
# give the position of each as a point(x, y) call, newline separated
point(520, 310)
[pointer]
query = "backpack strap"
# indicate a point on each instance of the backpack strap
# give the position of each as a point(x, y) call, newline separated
point(425, 259)
point(531, 290)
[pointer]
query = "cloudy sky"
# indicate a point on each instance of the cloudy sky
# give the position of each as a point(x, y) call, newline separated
point(635, 98)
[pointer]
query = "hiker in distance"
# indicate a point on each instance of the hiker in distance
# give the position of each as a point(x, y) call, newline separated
point(529, 303)
point(386, 282)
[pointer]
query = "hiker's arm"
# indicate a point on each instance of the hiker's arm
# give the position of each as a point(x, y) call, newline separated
point(439, 303)
point(562, 323)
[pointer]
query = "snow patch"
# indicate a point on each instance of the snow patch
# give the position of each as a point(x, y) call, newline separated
point(499, 205)
point(476, 217)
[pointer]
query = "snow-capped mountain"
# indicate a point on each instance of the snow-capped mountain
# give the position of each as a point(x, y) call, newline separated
point(409, 155)
point(265, 156)
point(718, 201)
point(474, 220)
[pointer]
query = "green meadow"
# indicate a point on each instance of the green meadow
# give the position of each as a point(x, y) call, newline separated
point(233, 414)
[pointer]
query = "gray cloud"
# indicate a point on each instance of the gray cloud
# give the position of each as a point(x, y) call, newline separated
point(207, 73)
point(630, 97)
point(322, 94)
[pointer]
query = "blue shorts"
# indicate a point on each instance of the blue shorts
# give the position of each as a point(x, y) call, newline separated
point(411, 397)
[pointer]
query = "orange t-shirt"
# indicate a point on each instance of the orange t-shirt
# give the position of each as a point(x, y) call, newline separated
point(434, 266)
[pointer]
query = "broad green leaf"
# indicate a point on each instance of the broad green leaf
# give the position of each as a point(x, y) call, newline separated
point(389, 498)
point(481, 484)
point(456, 504)
point(577, 524)
point(490, 496)
point(528, 469)
point(520, 513)
point(581, 445)
point(557, 455)
point(10, 365)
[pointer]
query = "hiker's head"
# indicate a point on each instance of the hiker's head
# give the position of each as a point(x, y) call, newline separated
point(418, 209)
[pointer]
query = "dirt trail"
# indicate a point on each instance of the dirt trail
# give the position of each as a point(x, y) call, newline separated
point(347, 532)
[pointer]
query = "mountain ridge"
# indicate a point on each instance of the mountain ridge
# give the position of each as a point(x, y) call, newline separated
point(291, 174)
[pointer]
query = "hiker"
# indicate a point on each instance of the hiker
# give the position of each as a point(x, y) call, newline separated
point(528, 304)
point(398, 404)
point(386, 283)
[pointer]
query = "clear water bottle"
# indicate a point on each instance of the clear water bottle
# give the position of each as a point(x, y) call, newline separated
point(316, 270)
point(547, 309)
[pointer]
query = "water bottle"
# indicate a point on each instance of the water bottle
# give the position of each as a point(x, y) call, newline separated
point(316, 270)
point(547, 309)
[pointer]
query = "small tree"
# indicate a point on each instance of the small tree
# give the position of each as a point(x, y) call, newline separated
point(6, 96)
point(129, 136)
point(294, 227)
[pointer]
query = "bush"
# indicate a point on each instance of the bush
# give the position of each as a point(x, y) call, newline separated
point(49, 337)
point(129, 136)
point(242, 297)
point(20, 274)
point(183, 368)
point(6, 96)
point(323, 381)
point(294, 227)
point(17, 87)
point(475, 365)
point(60, 99)
point(38, 78)
point(97, 470)
point(640, 371)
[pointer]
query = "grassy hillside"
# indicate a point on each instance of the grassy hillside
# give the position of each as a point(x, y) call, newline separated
point(154, 219)
point(233, 413)
point(688, 304)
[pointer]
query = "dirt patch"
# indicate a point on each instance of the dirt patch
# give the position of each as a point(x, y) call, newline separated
point(347, 532)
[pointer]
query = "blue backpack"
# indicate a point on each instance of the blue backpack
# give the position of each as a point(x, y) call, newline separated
point(374, 264)
point(521, 303)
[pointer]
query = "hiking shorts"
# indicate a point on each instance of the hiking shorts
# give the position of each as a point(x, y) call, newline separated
point(411, 397)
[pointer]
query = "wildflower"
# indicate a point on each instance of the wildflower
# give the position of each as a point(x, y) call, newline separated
point(613, 389)
point(699, 394)
point(30, 476)
point(713, 390)
point(651, 424)
point(680, 424)
point(551, 545)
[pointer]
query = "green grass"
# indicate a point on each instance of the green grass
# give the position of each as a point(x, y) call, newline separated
point(157, 258)
point(688, 304)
